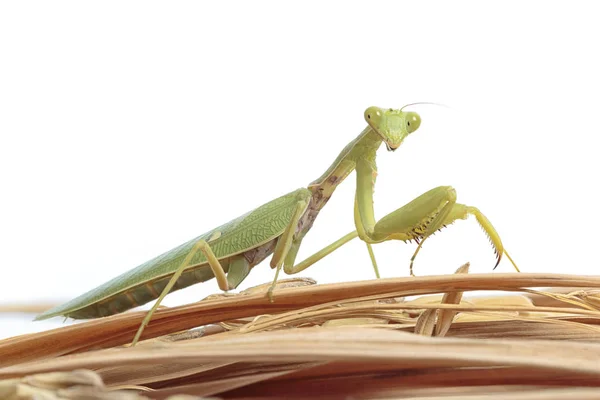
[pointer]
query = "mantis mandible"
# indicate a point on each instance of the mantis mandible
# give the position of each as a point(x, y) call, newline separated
point(229, 252)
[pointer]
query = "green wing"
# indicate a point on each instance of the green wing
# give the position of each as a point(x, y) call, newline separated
point(246, 232)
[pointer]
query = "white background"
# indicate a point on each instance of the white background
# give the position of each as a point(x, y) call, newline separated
point(127, 128)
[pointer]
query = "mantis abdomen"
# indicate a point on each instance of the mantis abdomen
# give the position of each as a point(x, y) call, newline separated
point(151, 290)
point(141, 294)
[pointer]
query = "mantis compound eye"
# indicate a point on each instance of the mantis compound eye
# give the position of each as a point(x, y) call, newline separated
point(413, 121)
point(372, 115)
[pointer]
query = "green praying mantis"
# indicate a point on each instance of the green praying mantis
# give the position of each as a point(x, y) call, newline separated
point(229, 252)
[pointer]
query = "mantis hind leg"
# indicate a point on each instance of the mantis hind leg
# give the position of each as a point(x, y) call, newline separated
point(238, 269)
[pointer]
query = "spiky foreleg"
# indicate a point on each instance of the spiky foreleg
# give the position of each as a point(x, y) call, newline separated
point(418, 219)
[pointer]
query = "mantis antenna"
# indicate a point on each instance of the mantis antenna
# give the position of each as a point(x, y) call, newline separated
point(424, 102)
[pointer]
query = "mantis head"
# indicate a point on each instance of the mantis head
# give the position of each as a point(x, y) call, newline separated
point(392, 125)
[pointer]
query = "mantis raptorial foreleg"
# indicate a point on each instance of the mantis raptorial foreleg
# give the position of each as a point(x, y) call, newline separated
point(418, 219)
point(426, 214)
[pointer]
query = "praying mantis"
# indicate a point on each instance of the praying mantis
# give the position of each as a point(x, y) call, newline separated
point(230, 251)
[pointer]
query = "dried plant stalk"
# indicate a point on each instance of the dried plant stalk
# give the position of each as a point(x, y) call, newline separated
point(334, 341)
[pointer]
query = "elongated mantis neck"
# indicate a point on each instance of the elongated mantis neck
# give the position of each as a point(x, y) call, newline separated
point(364, 146)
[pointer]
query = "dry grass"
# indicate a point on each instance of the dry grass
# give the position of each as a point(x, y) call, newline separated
point(350, 340)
